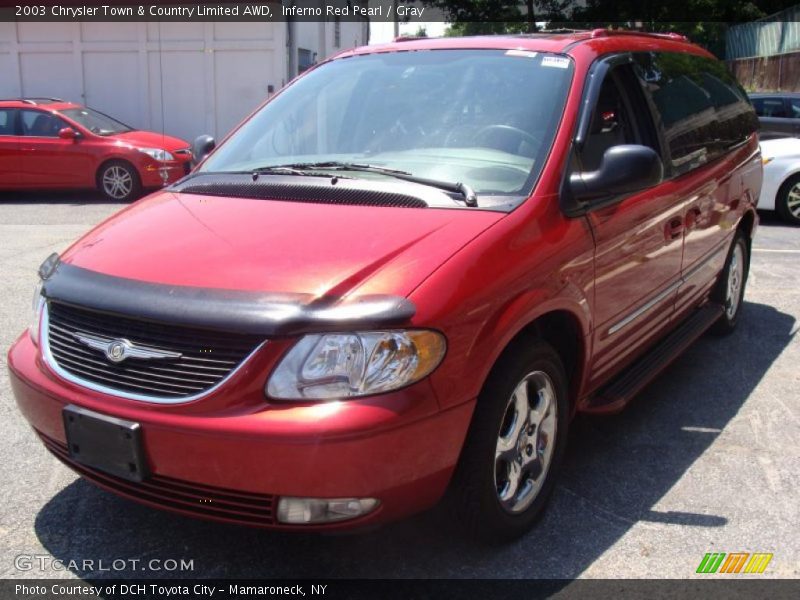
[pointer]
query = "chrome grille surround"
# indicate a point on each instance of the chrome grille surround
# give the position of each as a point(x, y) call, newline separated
point(192, 376)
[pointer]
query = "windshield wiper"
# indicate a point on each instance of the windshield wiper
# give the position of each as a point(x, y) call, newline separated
point(470, 197)
point(283, 170)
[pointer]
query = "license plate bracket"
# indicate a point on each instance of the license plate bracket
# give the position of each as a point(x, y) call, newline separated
point(106, 443)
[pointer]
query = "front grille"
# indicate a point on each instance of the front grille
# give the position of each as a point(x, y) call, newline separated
point(207, 357)
point(177, 495)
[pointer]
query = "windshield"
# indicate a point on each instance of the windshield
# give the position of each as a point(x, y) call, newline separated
point(96, 122)
point(485, 118)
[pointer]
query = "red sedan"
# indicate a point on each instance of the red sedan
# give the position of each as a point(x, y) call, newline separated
point(46, 143)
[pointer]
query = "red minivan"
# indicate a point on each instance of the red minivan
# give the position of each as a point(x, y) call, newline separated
point(398, 281)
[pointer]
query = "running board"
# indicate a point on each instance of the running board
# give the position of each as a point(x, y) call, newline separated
point(616, 395)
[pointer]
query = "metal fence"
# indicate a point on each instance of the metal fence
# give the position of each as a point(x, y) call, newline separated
point(776, 34)
point(765, 54)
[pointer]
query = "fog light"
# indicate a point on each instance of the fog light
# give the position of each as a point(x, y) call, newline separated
point(301, 511)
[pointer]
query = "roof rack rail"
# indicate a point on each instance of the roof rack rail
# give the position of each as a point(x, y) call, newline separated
point(33, 100)
point(596, 33)
point(409, 38)
point(562, 30)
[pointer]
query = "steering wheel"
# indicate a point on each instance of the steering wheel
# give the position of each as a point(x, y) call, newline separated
point(523, 135)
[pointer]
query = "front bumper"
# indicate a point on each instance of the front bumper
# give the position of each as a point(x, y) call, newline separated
point(158, 174)
point(224, 458)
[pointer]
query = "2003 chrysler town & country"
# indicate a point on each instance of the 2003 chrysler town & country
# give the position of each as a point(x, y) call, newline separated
point(403, 275)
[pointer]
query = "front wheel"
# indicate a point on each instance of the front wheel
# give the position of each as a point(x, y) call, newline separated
point(515, 445)
point(119, 182)
point(730, 287)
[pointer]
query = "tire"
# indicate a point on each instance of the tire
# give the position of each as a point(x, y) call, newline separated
point(119, 181)
point(730, 287)
point(480, 494)
point(787, 202)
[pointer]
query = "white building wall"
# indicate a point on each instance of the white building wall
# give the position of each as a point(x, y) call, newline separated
point(187, 78)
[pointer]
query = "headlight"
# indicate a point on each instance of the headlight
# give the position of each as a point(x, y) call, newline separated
point(38, 305)
point(349, 365)
point(157, 154)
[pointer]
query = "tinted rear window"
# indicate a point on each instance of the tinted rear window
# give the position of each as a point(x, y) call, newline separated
point(703, 111)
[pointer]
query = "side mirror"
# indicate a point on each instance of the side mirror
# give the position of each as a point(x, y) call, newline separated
point(68, 133)
point(202, 145)
point(624, 169)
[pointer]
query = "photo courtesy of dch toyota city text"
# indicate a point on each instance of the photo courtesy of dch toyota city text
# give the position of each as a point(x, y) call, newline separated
point(399, 299)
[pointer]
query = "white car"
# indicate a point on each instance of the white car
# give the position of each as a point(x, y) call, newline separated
point(781, 188)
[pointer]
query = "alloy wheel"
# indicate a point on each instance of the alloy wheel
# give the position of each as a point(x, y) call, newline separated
point(735, 280)
point(525, 442)
point(117, 182)
point(793, 200)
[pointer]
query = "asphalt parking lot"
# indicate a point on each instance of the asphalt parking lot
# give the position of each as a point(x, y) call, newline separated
point(706, 460)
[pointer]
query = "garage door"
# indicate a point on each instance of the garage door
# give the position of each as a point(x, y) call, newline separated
point(189, 78)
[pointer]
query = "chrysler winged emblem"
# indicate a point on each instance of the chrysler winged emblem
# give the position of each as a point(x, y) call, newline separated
point(117, 350)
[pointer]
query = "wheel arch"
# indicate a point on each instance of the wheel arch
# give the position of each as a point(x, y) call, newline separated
point(747, 224)
point(564, 330)
point(114, 159)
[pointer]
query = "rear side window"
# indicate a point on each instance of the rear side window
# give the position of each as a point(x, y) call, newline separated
point(794, 107)
point(703, 112)
point(7, 121)
point(770, 107)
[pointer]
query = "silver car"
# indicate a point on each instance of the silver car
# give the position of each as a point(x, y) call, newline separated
point(778, 113)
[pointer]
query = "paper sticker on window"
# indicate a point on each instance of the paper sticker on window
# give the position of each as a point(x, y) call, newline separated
point(525, 53)
point(555, 61)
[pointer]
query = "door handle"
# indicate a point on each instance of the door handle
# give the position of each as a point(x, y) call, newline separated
point(674, 228)
point(692, 216)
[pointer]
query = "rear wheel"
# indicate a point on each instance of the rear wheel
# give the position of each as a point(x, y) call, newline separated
point(730, 287)
point(787, 203)
point(515, 445)
point(119, 181)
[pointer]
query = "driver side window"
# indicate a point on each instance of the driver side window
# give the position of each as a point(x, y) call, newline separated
point(612, 124)
point(37, 123)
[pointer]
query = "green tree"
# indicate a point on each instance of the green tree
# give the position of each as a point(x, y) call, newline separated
point(703, 21)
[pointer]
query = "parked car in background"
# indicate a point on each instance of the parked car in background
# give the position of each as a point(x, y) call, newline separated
point(399, 280)
point(47, 143)
point(781, 189)
point(778, 114)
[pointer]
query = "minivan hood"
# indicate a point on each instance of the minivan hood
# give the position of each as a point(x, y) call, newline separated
point(276, 246)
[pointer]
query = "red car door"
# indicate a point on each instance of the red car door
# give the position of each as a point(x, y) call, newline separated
point(638, 240)
point(46, 160)
point(9, 149)
point(706, 119)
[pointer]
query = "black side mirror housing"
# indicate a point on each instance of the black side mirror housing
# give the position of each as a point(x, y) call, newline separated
point(203, 144)
point(625, 169)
